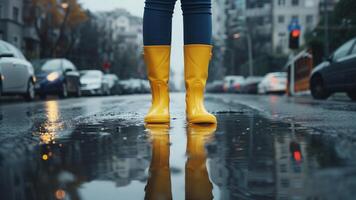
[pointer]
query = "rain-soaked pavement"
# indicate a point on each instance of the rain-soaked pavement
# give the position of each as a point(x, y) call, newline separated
point(99, 149)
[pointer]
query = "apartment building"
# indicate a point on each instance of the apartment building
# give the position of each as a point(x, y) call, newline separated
point(11, 22)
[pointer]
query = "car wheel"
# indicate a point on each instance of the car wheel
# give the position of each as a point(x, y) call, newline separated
point(64, 91)
point(317, 88)
point(43, 96)
point(352, 95)
point(30, 93)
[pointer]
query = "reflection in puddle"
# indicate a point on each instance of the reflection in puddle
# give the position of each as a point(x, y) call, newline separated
point(49, 129)
point(247, 157)
point(159, 181)
point(197, 183)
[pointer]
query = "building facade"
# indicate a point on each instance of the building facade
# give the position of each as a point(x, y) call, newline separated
point(11, 21)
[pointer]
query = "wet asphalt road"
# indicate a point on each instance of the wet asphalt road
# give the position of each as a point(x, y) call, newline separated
point(264, 147)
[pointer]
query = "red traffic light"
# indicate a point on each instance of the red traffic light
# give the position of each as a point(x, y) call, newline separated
point(297, 155)
point(106, 65)
point(295, 33)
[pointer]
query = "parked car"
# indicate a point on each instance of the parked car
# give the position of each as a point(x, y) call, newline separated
point(145, 85)
point(275, 82)
point(16, 73)
point(113, 83)
point(233, 83)
point(250, 86)
point(56, 76)
point(215, 87)
point(94, 83)
point(125, 87)
point(337, 74)
point(134, 86)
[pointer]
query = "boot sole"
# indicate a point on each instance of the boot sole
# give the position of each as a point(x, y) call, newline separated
point(157, 120)
point(202, 120)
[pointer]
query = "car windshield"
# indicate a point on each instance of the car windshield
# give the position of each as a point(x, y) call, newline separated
point(90, 74)
point(47, 65)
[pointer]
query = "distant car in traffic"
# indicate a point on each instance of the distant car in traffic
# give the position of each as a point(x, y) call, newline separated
point(16, 73)
point(337, 74)
point(216, 86)
point(233, 83)
point(250, 86)
point(113, 83)
point(56, 76)
point(275, 82)
point(94, 83)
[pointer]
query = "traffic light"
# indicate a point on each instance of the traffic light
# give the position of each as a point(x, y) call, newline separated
point(296, 152)
point(294, 36)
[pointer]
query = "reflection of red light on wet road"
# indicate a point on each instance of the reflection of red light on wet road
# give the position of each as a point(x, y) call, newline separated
point(297, 156)
point(60, 194)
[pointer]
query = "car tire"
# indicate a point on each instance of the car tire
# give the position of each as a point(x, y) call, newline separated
point(64, 91)
point(43, 96)
point(0, 87)
point(317, 88)
point(30, 93)
point(352, 95)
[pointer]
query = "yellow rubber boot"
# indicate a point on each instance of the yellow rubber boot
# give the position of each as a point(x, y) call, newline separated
point(196, 61)
point(197, 182)
point(157, 59)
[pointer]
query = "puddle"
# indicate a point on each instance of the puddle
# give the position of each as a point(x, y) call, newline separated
point(245, 157)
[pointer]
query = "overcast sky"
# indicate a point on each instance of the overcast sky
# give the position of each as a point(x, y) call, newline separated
point(136, 7)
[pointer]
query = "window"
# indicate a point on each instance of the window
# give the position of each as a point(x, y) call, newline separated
point(295, 18)
point(15, 14)
point(3, 48)
point(343, 50)
point(16, 52)
point(68, 65)
point(281, 19)
point(353, 52)
point(281, 2)
point(295, 2)
point(309, 19)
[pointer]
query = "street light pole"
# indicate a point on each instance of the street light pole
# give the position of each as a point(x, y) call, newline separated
point(250, 50)
point(250, 54)
point(326, 29)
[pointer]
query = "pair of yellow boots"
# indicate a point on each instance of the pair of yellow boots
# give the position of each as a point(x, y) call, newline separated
point(196, 61)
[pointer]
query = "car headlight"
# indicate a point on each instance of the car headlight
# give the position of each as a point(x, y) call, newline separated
point(53, 76)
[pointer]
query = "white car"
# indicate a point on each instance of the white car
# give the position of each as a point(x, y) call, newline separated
point(275, 82)
point(16, 73)
point(233, 83)
point(93, 83)
point(112, 81)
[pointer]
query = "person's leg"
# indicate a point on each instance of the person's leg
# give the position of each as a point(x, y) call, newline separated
point(197, 55)
point(197, 21)
point(157, 22)
point(157, 25)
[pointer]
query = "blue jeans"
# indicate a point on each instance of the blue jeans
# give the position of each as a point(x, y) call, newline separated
point(157, 21)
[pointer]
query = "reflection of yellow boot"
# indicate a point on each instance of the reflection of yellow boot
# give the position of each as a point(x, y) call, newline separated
point(157, 59)
point(159, 182)
point(196, 61)
point(198, 185)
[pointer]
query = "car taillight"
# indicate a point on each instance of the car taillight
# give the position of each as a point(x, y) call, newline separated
point(224, 88)
point(274, 81)
point(237, 86)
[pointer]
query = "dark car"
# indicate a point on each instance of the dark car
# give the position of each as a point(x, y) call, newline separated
point(337, 74)
point(56, 77)
point(250, 86)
